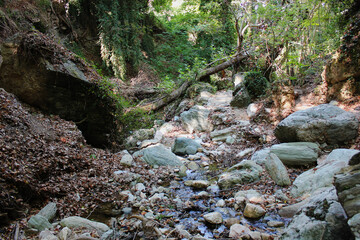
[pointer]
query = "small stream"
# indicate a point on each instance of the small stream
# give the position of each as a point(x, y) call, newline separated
point(193, 219)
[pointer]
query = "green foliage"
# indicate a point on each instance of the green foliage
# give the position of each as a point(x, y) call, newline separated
point(75, 48)
point(45, 4)
point(256, 84)
point(167, 85)
point(120, 25)
point(136, 119)
point(197, 88)
point(196, 33)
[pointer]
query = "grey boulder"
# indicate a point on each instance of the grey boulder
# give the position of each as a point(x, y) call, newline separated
point(185, 146)
point(296, 153)
point(244, 172)
point(158, 155)
point(277, 170)
point(241, 97)
point(323, 174)
point(322, 217)
point(79, 222)
point(325, 123)
point(196, 119)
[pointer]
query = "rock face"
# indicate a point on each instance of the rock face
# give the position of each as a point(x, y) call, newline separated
point(241, 97)
point(323, 124)
point(321, 216)
point(158, 155)
point(59, 84)
point(341, 74)
point(347, 184)
point(196, 119)
point(297, 153)
point(323, 174)
point(244, 172)
point(185, 146)
point(277, 170)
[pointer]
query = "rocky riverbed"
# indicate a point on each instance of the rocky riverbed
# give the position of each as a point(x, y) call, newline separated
point(219, 172)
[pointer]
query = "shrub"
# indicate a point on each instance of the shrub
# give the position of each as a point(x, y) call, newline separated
point(256, 84)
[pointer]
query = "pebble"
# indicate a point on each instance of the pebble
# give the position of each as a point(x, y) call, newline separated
point(231, 221)
point(220, 203)
point(213, 218)
point(197, 183)
point(65, 233)
point(253, 211)
point(275, 224)
point(238, 231)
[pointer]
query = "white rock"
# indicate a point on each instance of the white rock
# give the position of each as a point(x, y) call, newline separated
point(193, 166)
point(220, 203)
point(238, 231)
point(213, 218)
point(203, 194)
point(65, 233)
point(47, 235)
point(253, 211)
point(197, 183)
point(140, 187)
point(126, 159)
point(79, 222)
point(245, 152)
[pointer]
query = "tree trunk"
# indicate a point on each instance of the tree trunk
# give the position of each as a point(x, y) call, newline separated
point(209, 71)
point(159, 103)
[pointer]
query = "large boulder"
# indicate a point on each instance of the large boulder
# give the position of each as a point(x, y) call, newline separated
point(185, 146)
point(241, 97)
point(244, 172)
point(138, 136)
point(260, 156)
point(277, 170)
point(158, 155)
point(323, 124)
point(196, 119)
point(297, 153)
point(347, 184)
point(323, 174)
point(322, 217)
point(45, 75)
point(79, 222)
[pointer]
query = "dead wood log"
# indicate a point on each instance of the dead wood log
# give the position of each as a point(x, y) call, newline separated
point(209, 71)
point(163, 101)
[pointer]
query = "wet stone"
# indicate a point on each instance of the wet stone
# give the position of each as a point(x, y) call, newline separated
point(197, 183)
point(253, 211)
point(213, 218)
point(275, 224)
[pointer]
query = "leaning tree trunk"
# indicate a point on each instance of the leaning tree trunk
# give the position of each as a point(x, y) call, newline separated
point(161, 102)
point(209, 71)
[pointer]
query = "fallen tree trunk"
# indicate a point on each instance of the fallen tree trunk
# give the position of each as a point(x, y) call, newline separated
point(159, 103)
point(209, 71)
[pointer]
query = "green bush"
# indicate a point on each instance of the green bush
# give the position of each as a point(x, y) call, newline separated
point(256, 84)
